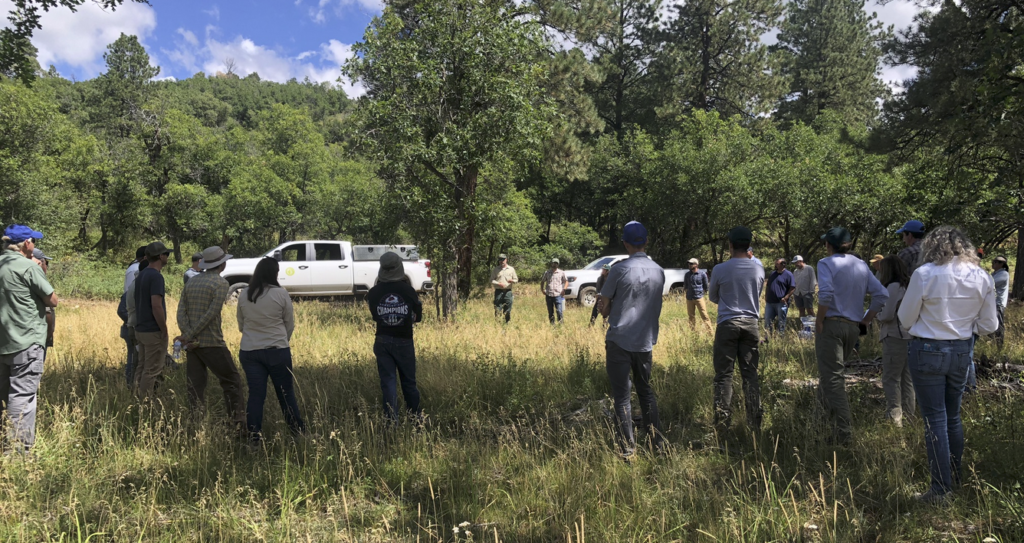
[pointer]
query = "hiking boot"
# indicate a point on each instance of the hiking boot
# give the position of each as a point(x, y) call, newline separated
point(932, 498)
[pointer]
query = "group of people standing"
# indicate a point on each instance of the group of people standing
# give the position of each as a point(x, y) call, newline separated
point(930, 314)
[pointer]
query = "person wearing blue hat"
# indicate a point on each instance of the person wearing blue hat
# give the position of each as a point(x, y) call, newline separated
point(843, 282)
point(24, 296)
point(631, 301)
point(913, 233)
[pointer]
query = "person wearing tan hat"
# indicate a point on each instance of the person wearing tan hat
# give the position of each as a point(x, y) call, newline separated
point(876, 265)
point(503, 277)
point(1001, 277)
point(151, 321)
point(199, 318)
point(806, 282)
point(395, 307)
point(696, 284)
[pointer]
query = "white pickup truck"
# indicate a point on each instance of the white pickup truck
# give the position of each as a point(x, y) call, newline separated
point(583, 283)
point(329, 268)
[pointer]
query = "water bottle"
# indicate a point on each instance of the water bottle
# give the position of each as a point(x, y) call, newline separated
point(177, 350)
point(808, 328)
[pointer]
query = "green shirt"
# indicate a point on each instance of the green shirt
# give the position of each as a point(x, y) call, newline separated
point(23, 288)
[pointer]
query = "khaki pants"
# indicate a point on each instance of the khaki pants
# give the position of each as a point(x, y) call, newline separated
point(896, 382)
point(150, 364)
point(692, 307)
point(218, 360)
point(832, 347)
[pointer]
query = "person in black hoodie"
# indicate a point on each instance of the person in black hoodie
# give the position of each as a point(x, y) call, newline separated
point(395, 306)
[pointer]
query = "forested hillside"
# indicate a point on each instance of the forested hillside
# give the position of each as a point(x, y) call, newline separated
point(538, 130)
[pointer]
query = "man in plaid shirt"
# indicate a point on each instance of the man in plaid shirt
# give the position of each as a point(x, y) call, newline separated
point(199, 318)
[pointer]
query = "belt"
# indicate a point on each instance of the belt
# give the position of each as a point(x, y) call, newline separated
point(502, 290)
point(842, 319)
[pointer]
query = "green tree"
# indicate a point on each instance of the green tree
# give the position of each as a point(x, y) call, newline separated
point(452, 86)
point(831, 51)
point(16, 53)
point(125, 87)
point(714, 59)
point(963, 115)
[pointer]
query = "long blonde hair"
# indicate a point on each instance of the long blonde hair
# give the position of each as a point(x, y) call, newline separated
point(944, 244)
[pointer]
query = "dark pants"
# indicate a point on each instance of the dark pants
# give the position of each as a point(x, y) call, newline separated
point(219, 362)
point(503, 303)
point(275, 364)
point(594, 313)
point(736, 342)
point(939, 370)
point(621, 364)
point(396, 360)
point(20, 374)
point(129, 366)
point(1000, 333)
point(556, 305)
point(832, 348)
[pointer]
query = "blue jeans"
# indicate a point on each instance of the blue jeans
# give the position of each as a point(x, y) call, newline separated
point(555, 303)
point(775, 312)
point(396, 359)
point(939, 371)
point(275, 364)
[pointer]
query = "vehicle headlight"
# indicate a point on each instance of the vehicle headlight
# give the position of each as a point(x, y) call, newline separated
point(572, 279)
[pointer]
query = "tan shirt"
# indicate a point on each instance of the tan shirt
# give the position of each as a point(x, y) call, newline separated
point(505, 276)
point(267, 323)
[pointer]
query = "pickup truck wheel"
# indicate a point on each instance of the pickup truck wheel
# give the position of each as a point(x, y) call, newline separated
point(588, 297)
point(234, 292)
point(678, 294)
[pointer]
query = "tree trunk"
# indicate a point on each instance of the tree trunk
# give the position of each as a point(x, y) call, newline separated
point(176, 247)
point(465, 191)
point(449, 283)
point(1018, 275)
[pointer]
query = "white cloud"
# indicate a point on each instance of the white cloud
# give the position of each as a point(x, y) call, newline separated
point(79, 39)
point(323, 65)
point(320, 11)
point(213, 12)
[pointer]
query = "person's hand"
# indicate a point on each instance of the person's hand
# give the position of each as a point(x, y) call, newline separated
point(865, 321)
point(819, 327)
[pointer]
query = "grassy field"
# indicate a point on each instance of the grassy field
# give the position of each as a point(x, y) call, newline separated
point(518, 448)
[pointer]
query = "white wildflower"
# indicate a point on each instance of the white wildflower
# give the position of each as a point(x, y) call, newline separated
point(464, 524)
point(455, 530)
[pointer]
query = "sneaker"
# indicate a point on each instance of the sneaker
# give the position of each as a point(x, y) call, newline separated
point(932, 498)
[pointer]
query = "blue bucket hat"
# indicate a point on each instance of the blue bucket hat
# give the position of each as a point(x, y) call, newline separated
point(914, 227)
point(19, 233)
point(634, 234)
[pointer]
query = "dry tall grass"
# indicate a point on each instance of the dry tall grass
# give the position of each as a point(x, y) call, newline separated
point(519, 447)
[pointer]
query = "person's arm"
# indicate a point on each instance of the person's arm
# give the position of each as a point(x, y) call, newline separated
point(417, 305)
point(704, 280)
point(51, 300)
point(714, 289)
point(51, 323)
point(182, 316)
point(607, 294)
point(825, 296)
point(157, 303)
point(565, 281)
point(543, 280)
point(40, 287)
point(913, 299)
point(515, 278)
point(814, 279)
point(239, 316)
point(289, 314)
point(879, 295)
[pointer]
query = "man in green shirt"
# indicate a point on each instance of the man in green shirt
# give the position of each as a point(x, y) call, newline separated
point(503, 277)
point(24, 296)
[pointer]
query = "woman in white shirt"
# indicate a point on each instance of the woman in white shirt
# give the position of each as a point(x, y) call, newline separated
point(948, 299)
point(896, 380)
point(266, 321)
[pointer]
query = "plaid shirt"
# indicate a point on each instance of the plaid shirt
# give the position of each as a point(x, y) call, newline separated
point(199, 310)
point(909, 256)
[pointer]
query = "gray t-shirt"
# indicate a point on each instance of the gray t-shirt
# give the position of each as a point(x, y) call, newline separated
point(635, 287)
point(736, 286)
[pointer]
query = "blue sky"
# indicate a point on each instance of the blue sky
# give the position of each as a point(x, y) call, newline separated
point(279, 39)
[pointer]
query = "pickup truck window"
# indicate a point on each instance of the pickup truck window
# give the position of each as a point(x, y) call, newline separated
point(327, 251)
point(295, 252)
point(596, 265)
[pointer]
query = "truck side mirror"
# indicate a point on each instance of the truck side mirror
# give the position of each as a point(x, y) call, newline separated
point(277, 255)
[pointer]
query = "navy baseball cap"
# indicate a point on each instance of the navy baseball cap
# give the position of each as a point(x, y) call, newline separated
point(19, 233)
point(914, 227)
point(634, 234)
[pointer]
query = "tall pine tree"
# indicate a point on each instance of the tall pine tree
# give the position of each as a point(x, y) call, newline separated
point(714, 59)
point(830, 52)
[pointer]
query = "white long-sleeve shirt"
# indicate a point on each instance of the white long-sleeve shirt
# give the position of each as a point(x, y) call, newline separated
point(949, 302)
point(130, 274)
